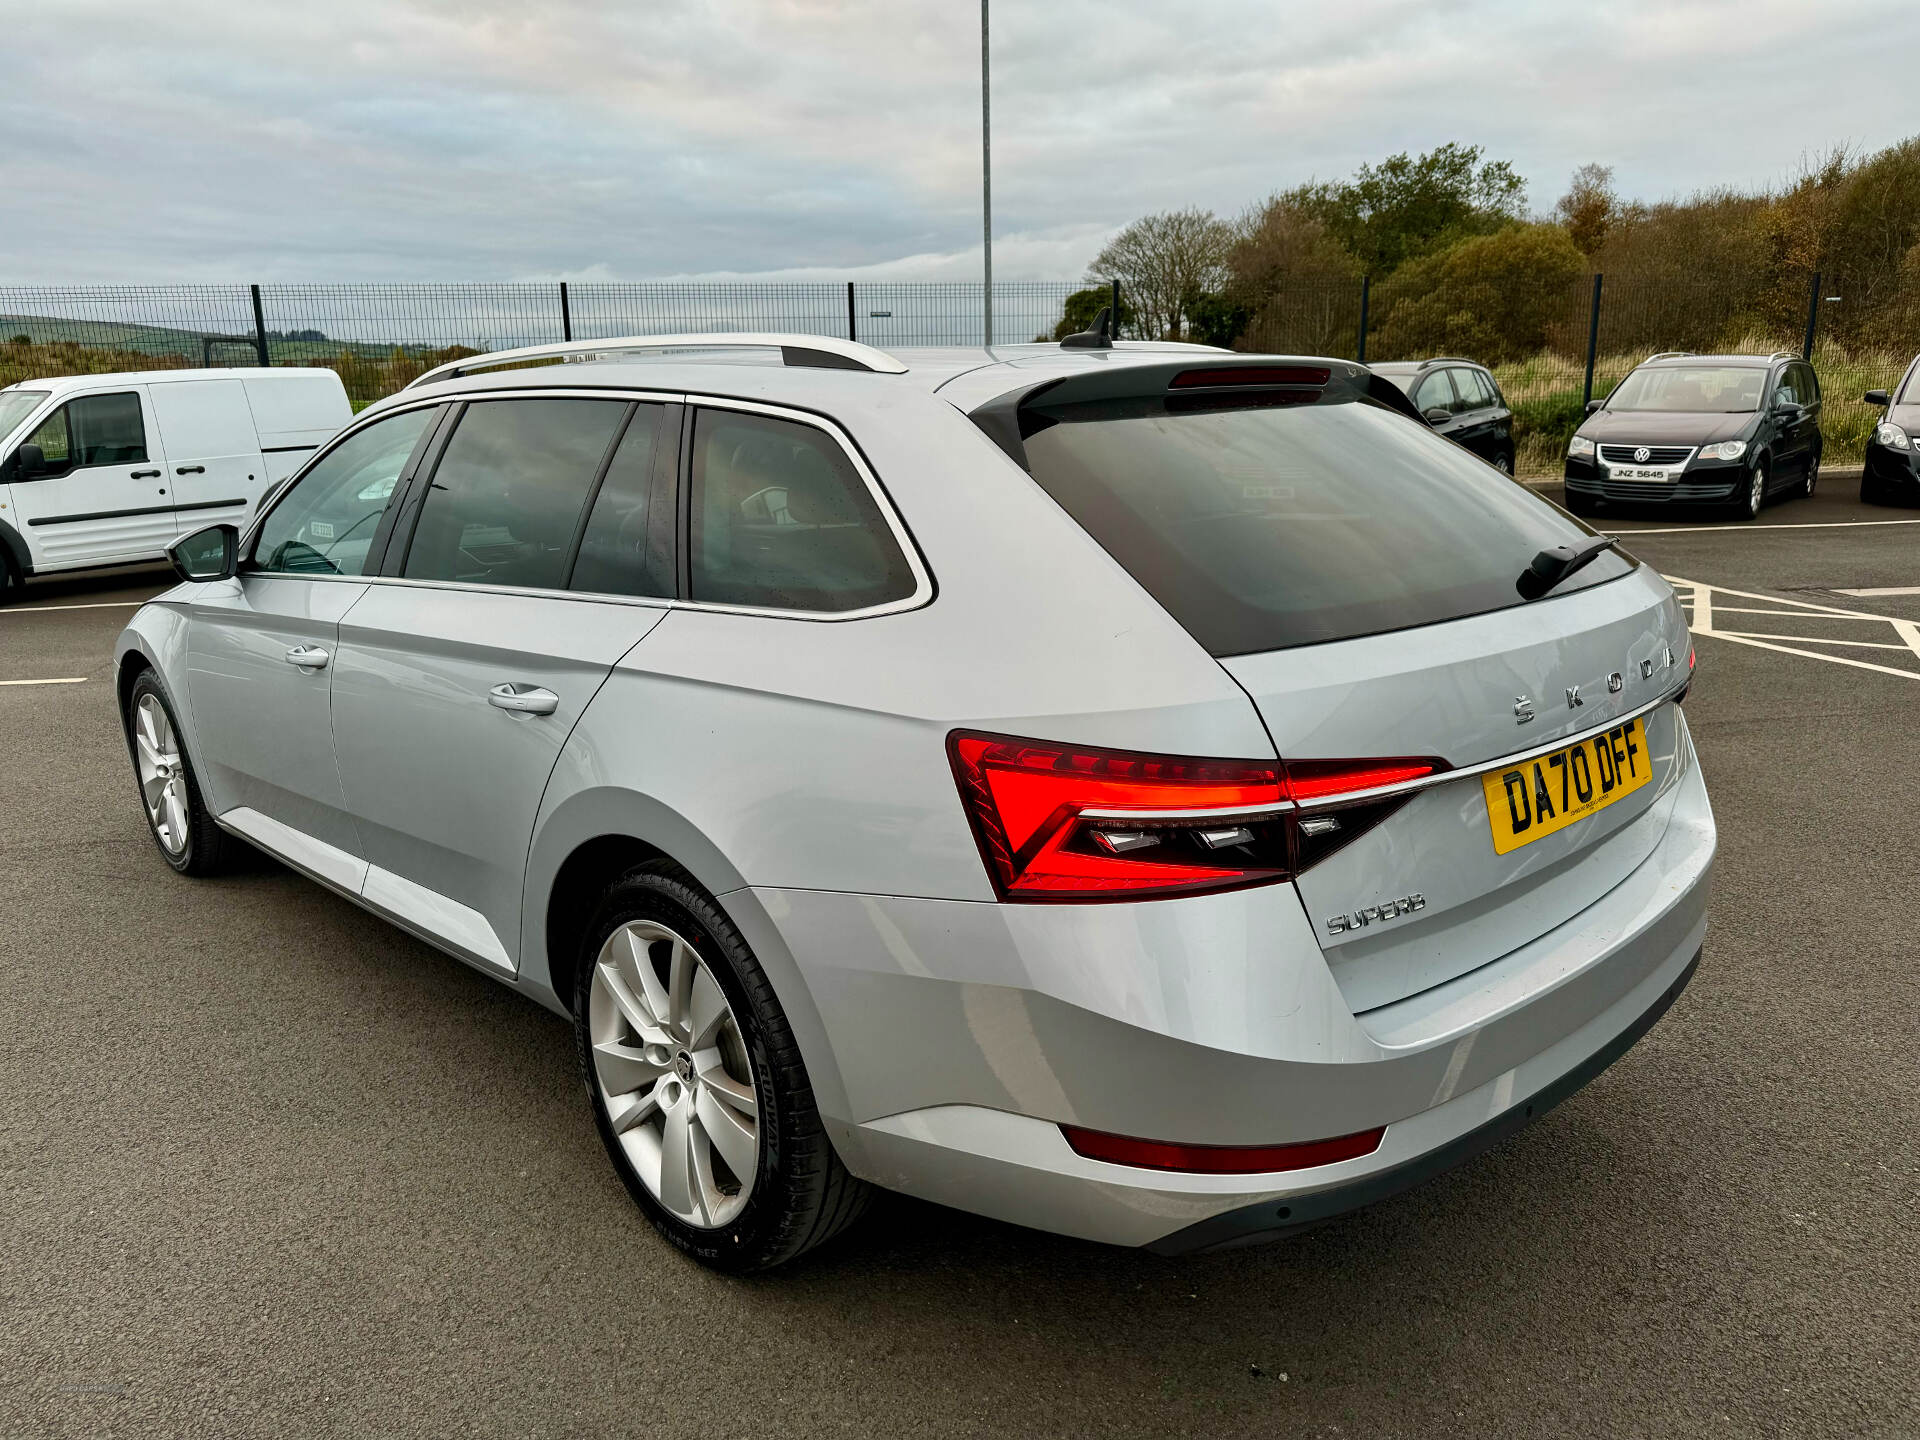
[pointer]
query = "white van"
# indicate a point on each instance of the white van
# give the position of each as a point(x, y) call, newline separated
point(111, 469)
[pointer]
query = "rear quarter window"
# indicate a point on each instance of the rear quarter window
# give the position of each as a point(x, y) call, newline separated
point(1264, 527)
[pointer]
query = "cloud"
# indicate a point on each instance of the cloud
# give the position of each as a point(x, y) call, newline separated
point(435, 140)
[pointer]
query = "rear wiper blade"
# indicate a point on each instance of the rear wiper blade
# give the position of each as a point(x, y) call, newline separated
point(1553, 565)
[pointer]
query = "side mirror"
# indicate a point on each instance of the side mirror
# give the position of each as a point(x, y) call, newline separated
point(1437, 415)
point(209, 554)
point(30, 462)
point(1594, 407)
point(1877, 397)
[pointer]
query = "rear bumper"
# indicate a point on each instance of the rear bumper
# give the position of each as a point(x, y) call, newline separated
point(1268, 1221)
point(954, 1039)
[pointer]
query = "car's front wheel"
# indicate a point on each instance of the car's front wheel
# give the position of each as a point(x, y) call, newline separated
point(1813, 475)
point(177, 816)
point(697, 1083)
point(11, 585)
point(1748, 503)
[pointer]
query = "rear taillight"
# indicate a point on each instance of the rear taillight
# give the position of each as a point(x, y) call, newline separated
point(1056, 822)
point(1220, 1159)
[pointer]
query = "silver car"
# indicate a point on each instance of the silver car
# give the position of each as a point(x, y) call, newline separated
point(1148, 793)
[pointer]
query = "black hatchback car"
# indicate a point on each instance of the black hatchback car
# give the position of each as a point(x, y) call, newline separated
point(1722, 430)
point(1893, 450)
point(1461, 401)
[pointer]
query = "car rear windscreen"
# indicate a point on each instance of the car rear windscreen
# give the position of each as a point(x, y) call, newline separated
point(1260, 527)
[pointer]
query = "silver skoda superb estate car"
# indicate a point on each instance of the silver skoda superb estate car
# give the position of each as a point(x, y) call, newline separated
point(1148, 793)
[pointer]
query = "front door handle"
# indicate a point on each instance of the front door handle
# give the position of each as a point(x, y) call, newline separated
point(188, 470)
point(308, 657)
point(523, 699)
point(144, 475)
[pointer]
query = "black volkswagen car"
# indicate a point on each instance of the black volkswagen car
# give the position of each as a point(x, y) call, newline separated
point(1892, 475)
point(1461, 401)
point(1723, 430)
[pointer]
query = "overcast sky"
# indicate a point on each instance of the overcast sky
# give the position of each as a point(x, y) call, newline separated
point(155, 140)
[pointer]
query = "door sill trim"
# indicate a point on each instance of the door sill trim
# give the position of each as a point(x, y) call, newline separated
point(462, 932)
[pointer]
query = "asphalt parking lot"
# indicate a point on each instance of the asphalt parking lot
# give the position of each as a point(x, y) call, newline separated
point(269, 1167)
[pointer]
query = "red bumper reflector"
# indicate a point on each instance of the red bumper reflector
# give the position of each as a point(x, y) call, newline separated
point(1220, 1159)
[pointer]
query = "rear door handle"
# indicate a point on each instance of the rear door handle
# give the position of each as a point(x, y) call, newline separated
point(187, 470)
point(144, 475)
point(523, 699)
point(308, 657)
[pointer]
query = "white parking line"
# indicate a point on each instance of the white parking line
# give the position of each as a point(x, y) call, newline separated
point(93, 605)
point(1701, 598)
point(1882, 590)
point(1761, 529)
point(63, 680)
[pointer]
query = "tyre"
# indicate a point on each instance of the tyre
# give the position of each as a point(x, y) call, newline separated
point(1504, 464)
point(11, 584)
point(697, 1084)
point(1812, 481)
point(177, 817)
point(1749, 502)
point(1872, 492)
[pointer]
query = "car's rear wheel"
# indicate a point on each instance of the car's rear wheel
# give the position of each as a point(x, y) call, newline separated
point(697, 1083)
point(177, 816)
point(1748, 504)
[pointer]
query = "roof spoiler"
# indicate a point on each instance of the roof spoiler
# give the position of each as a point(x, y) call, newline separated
point(815, 351)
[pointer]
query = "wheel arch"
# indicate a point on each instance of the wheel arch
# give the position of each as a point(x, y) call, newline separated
point(15, 552)
point(596, 836)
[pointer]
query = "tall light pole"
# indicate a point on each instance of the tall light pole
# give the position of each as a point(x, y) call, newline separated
point(986, 174)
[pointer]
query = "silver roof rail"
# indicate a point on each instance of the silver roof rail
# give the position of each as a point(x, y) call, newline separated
point(1667, 355)
point(1784, 355)
point(823, 351)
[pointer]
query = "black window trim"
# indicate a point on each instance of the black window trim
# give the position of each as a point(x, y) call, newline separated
point(670, 501)
point(250, 537)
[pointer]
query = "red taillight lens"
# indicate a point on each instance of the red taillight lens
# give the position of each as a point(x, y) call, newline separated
point(1220, 1159)
point(1311, 780)
point(1056, 822)
point(1028, 801)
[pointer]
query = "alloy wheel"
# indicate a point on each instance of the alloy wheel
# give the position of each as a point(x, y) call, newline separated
point(1757, 489)
point(672, 1069)
point(1813, 475)
point(163, 780)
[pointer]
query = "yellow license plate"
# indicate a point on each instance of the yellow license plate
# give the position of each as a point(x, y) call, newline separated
point(1550, 792)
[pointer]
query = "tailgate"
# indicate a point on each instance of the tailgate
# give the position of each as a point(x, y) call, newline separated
point(1423, 895)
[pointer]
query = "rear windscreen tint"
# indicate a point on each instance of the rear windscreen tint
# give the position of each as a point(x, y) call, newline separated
point(1260, 528)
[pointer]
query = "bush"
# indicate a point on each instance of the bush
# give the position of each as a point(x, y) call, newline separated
point(1495, 297)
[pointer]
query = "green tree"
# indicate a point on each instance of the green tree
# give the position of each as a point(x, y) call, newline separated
point(1408, 206)
point(1494, 298)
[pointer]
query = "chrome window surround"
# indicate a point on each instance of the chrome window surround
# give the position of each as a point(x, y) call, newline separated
point(1403, 787)
point(923, 587)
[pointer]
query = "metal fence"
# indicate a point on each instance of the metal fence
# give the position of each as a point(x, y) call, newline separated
point(1550, 346)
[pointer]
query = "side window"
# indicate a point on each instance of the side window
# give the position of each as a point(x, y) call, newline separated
point(107, 430)
point(1434, 393)
point(1492, 387)
point(782, 520)
point(614, 558)
point(324, 523)
point(1785, 389)
point(55, 440)
point(506, 497)
point(1809, 384)
point(1476, 392)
